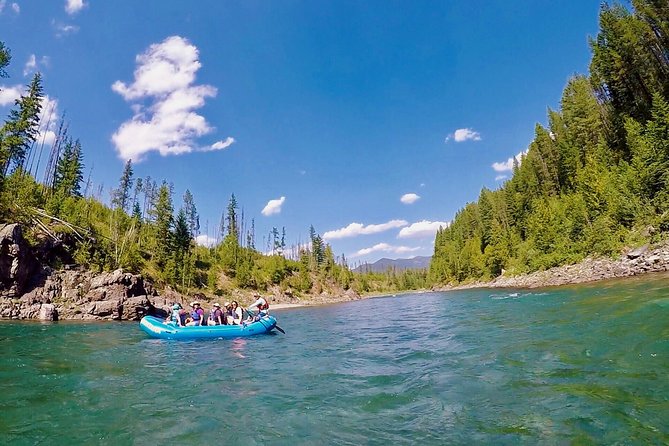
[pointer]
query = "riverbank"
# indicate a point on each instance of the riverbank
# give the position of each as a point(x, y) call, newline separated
point(76, 294)
point(646, 259)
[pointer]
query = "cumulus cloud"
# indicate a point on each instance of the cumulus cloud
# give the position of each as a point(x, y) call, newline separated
point(507, 166)
point(273, 206)
point(422, 228)
point(16, 8)
point(165, 75)
point(385, 247)
point(205, 240)
point(462, 135)
point(409, 198)
point(356, 229)
point(74, 6)
point(500, 177)
point(9, 94)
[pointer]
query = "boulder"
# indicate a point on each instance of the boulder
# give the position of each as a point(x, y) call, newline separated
point(638, 252)
point(48, 312)
point(107, 309)
point(135, 308)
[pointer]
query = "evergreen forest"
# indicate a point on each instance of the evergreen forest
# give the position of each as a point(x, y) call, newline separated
point(594, 181)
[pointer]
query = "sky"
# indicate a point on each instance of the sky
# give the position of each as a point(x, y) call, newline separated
point(373, 121)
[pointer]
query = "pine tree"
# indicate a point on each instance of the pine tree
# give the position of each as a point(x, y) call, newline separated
point(163, 221)
point(192, 217)
point(276, 241)
point(121, 198)
point(317, 248)
point(69, 170)
point(5, 58)
point(21, 128)
point(231, 218)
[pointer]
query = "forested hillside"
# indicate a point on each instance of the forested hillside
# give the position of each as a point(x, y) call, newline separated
point(595, 179)
point(145, 229)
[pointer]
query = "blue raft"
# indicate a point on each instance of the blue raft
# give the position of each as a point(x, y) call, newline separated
point(157, 328)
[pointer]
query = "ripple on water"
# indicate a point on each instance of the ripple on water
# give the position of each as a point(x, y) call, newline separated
point(578, 364)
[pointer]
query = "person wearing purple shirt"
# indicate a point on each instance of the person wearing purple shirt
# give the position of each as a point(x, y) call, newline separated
point(196, 315)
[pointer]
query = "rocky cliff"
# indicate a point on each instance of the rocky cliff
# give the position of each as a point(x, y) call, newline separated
point(29, 290)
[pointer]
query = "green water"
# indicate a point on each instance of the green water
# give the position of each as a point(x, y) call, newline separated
point(575, 365)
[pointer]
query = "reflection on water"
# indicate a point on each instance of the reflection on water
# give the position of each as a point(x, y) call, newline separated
point(574, 365)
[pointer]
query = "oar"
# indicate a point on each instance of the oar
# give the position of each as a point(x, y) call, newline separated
point(251, 313)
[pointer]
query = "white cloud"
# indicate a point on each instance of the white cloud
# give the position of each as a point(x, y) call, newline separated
point(9, 94)
point(15, 6)
point(356, 229)
point(422, 228)
point(74, 6)
point(219, 145)
point(165, 74)
point(385, 247)
point(462, 135)
point(48, 116)
point(500, 177)
point(33, 64)
point(62, 29)
point(273, 206)
point(409, 198)
point(30, 65)
point(48, 121)
point(507, 165)
point(205, 240)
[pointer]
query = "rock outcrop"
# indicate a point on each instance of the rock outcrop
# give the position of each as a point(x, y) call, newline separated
point(72, 294)
point(18, 265)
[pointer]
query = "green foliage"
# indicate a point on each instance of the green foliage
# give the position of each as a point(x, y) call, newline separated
point(69, 170)
point(596, 179)
point(121, 196)
point(20, 130)
point(5, 58)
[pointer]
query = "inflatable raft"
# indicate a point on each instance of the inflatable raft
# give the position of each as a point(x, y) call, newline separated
point(157, 328)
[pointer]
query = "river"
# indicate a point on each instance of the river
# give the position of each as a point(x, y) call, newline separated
point(585, 364)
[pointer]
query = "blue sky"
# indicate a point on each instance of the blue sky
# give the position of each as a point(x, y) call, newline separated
point(372, 121)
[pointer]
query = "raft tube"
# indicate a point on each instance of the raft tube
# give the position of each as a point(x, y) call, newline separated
point(157, 328)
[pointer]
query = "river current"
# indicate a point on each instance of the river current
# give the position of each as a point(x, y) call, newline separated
point(582, 364)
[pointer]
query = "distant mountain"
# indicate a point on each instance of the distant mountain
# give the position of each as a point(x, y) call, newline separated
point(382, 265)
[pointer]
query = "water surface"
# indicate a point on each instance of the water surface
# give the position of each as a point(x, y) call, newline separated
point(574, 365)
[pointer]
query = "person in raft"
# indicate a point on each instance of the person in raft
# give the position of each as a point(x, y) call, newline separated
point(196, 316)
point(215, 315)
point(263, 308)
point(227, 314)
point(237, 313)
point(174, 317)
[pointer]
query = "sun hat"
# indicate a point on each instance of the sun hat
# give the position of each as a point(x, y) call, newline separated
point(194, 303)
point(217, 305)
point(227, 304)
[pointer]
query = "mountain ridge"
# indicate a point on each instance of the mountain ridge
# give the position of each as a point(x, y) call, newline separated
point(383, 264)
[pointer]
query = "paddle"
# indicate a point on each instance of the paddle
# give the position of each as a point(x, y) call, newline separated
point(251, 313)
